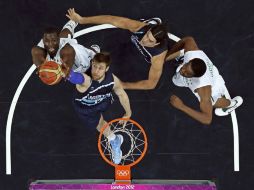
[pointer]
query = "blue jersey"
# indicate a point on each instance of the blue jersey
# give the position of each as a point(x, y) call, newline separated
point(97, 93)
point(148, 52)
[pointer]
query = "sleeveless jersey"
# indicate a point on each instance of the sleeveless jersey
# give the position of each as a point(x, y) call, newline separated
point(83, 55)
point(148, 52)
point(97, 93)
point(211, 76)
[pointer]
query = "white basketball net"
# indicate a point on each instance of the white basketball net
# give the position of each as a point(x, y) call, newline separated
point(137, 142)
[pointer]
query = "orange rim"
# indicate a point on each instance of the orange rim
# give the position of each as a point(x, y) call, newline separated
point(108, 124)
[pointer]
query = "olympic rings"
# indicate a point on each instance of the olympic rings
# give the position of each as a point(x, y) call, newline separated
point(122, 172)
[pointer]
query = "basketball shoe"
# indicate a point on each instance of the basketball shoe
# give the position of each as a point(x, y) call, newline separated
point(116, 149)
point(235, 103)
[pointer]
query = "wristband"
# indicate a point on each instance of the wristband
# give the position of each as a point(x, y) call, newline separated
point(76, 78)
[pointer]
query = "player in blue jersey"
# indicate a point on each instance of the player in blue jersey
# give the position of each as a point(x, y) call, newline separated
point(93, 96)
point(150, 37)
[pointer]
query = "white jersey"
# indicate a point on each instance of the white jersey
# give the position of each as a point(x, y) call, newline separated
point(83, 55)
point(211, 76)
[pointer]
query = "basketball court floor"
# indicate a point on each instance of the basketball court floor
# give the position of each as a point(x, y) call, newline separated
point(48, 140)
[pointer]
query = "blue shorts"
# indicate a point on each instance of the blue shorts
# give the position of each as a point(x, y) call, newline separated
point(90, 115)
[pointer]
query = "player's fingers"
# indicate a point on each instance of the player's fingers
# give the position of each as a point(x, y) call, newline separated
point(69, 12)
point(124, 123)
point(173, 97)
point(38, 69)
point(63, 72)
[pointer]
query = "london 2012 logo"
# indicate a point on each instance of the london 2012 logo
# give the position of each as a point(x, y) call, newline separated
point(122, 187)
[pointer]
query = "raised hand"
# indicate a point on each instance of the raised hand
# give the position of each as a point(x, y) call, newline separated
point(65, 70)
point(124, 122)
point(72, 15)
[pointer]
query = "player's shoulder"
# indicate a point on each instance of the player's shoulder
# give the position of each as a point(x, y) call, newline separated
point(64, 41)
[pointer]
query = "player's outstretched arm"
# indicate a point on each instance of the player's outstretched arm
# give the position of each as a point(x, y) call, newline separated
point(186, 44)
point(123, 97)
point(153, 77)
point(171, 56)
point(81, 80)
point(119, 22)
point(205, 114)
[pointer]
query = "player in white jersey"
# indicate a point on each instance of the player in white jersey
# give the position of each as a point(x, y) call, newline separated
point(61, 48)
point(198, 73)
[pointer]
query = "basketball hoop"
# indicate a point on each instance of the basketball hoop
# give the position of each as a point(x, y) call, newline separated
point(134, 147)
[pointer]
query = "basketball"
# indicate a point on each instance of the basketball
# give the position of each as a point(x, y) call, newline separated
point(50, 73)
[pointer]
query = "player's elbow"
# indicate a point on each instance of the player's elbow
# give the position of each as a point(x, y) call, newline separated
point(151, 85)
point(207, 120)
point(189, 39)
point(36, 51)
